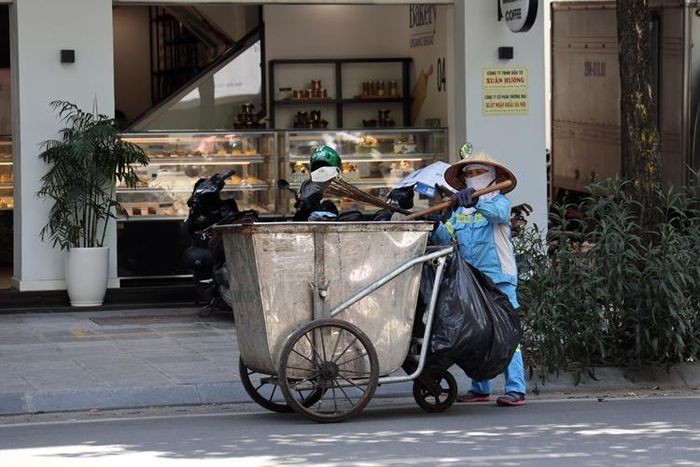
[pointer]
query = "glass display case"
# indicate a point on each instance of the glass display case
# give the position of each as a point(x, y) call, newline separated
point(179, 159)
point(373, 160)
point(7, 202)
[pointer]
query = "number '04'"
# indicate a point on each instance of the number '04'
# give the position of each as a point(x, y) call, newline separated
point(441, 75)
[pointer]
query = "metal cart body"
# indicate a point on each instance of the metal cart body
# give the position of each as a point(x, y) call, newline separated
point(284, 276)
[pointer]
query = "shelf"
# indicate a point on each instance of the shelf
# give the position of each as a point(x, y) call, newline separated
point(6, 209)
point(401, 75)
point(346, 134)
point(376, 100)
point(176, 137)
point(6, 186)
point(209, 160)
point(306, 101)
point(150, 217)
point(379, 157)
point(366, 183)
point(227, 188)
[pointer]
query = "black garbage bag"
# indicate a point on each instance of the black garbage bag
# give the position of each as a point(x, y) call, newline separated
point(475, 326)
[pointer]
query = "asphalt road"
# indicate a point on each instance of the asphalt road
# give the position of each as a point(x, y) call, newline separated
point(620, 432)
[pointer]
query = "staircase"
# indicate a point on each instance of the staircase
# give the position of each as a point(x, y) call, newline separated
point(184, 42)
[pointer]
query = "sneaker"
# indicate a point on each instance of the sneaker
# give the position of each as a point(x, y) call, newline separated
point(474, 397)
point(511, 399)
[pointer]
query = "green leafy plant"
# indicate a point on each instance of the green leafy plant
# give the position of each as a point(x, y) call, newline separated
point(616, 284)
point(86, 163)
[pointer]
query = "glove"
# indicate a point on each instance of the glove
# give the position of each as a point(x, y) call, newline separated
point(464, 198)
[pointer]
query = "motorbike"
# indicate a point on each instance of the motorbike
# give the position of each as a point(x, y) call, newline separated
point(206, 258)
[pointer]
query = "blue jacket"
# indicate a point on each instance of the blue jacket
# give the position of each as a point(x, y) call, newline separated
point(484, 241)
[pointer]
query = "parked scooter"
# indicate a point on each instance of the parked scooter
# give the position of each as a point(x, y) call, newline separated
point(206, 258)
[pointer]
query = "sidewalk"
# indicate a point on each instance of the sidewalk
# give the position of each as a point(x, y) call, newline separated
point(164, 357)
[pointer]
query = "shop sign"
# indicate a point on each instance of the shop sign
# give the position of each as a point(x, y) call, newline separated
point(505, 91)
point(519, 15)
point(421, 23)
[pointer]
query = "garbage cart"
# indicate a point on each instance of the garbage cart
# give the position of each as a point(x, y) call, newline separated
point(324, 313)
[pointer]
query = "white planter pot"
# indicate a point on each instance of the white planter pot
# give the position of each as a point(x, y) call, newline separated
point(86, 275)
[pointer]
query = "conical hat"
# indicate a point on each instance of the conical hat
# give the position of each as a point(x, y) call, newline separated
point(454, 176)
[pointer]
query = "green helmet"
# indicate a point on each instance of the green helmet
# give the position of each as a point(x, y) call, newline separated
point(324, 156)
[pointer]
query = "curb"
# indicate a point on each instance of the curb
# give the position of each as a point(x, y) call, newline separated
point(67, 400)
point(232, 392)
point(684, 376)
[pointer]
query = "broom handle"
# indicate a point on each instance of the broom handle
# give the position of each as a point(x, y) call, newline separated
point(447, 204)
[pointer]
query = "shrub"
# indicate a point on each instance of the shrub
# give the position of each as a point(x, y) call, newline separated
point(615, 285)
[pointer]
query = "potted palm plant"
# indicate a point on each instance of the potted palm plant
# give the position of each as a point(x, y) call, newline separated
point(85, 164)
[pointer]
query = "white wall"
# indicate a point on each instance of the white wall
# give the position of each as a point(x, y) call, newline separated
point(335, 31)
point(516, 140)
point(234, 20)
point(39, 30)
point(357, 31)
point(132, 60)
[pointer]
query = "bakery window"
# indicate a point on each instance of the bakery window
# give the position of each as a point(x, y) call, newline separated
point(178, 160)
point(374, 160)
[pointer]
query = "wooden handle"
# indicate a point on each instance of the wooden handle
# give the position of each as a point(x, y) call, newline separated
point(447, 204)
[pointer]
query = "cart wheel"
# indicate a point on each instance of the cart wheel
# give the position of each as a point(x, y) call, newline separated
point(435, 390)
point(332, 356)
point(268, 395)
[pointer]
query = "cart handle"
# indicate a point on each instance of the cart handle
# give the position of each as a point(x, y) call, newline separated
point(446, 204)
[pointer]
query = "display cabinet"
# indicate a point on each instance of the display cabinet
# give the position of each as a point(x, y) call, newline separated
point(7, 202)
point(337, 93)
point(178, 160)
point(373, 160)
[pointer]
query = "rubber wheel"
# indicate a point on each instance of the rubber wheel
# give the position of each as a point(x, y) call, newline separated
point(332, 356)
point(435, 390)
point(269, 395)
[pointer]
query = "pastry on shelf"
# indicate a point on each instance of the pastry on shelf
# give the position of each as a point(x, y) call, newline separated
point(234, 180)
point(350, 171)
point(405, 146)
point(299, 173)
point(252, 180)
point(406, 167)
point(367, 144)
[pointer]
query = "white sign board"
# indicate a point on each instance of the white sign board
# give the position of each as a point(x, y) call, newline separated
point(519, 15)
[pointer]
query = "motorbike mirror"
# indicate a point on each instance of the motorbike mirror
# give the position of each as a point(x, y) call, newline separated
point(228, 174)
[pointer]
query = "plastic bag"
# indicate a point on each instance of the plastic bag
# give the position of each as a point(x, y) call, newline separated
point(475, 326)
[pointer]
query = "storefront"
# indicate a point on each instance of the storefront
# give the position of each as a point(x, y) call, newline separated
point(392, 86)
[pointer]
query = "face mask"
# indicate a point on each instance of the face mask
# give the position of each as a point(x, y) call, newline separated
point(481, 181)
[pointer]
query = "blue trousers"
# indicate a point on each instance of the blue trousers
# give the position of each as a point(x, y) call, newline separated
point(515, 377)
point(515, 372)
